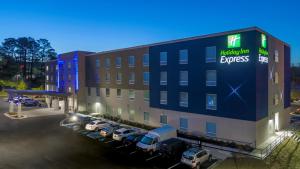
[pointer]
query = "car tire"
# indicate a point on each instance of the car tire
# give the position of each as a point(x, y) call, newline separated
point(209, 158)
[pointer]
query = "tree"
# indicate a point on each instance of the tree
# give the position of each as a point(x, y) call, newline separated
point(21, 85)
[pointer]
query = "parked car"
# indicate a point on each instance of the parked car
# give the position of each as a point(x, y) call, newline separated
point(30, 102)
point(109, 130)
point(172, 148)
point(150, 142)
point(131, 140)
point(122, 133)
point(95, 125)
point(195, 157)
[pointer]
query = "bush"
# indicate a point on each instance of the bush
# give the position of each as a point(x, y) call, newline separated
point(21, 85)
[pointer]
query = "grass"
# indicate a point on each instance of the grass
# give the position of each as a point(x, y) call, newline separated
point(3, 93)
point(285, 156)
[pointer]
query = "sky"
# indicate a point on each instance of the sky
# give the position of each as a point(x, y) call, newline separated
point(96, 25)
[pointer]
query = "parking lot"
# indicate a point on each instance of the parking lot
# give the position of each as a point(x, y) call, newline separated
point(40, 142)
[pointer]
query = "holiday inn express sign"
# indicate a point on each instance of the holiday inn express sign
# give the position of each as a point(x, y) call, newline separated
point(235, 54)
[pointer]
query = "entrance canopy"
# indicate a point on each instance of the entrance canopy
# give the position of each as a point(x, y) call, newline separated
point(37, 92)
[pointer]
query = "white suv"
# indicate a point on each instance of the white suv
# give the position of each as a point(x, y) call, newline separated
point(95, 125)
point(122, 133)
point(195, 156)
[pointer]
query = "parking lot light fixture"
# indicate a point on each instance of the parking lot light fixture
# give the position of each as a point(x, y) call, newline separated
point(74, 118)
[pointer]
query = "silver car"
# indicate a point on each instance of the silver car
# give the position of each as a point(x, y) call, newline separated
point(195, 157)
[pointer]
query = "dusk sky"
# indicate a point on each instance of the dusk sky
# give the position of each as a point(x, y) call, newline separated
point(94, 25)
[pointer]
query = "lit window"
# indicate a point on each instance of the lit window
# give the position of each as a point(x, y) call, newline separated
point(276, 99)
point(184, 78)
point(119, 78)
point(146, 95)
point(107, 92)
point(118, 62)
point(276, 56)
point(163, 97)
point(47, 87)
point(131, 78)
point(47, 77)
point(131, 115)
point(163, 119)
point(183, 124)
point(131, 94)
point(47, 68)
point(163, 78)
point(211, 54)
point(97, 63)
point(183, 56)
point(146, 78)
point(69, 89)
point(97, 91)
point(211, 78)
point(146, 60)
point(119, 112)
point(211, 101)
point(69, 65)
point(146, 117)
point(107, 77)
point(119, 93)
point(56, 67)
point(184, 99)
point(107, 63)
point(276, 78)
point(163, 58)
point(131, 61)
point(211, 129)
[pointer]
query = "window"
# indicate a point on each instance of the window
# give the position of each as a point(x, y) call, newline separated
point(118, 62)
point(97, 91)
point(276, 78)
point(184, 99)
point(107, 63)
point(211, 78)
point(107, 77)
point(211, 101)
point(276, 56)
point(51, 78)
point(47, 87)
point(131, 115)
point(89, 91)
point(131, 61)
point(119, 112)
point(146, 95)
point(69, 65)
point(56, 67)
point(97, 77)
point(146, 60)
point(97, 63)
point(276, 99)
point(119, 78)
point(211, 129)
point(69, 77)
point(131, 94)
point(146, 78)
point(69, 89)
point(163, 78)
point(119, 93)
point(131, 78)
point(163, 97)
point(146, 117)
point(47, 77)
point(107, 92)
point(47, 68)
point(183, 124)
point(163, 58)
point(163, 119)
point(211, 54)
point(184, 78)
point(183, 56)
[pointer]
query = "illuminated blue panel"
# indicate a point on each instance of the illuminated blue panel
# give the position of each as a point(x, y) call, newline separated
point(75, 60)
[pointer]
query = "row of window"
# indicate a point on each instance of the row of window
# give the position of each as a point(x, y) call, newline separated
point(131, 78)
point(211, 100)
point(131, 93)
point(118, 61)
point(211, 78)
point(184, 124)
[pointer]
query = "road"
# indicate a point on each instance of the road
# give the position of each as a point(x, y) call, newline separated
point(40, 143)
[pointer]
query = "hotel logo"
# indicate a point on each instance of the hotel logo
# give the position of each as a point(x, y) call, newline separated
point(234, 41)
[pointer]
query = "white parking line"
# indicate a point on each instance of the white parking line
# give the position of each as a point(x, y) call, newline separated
point(153, 157)
point(120, 147)
point(132, 152)
point(109, 141)
point(175, 165)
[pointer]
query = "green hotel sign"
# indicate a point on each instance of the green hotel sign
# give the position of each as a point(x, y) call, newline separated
point(263, 41)
point(234, 41)
point(234, 55)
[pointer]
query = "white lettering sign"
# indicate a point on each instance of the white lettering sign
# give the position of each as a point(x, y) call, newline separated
point(234, 59)
point(263, 59)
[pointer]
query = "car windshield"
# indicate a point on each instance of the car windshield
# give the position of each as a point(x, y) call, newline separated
point(117, 132)
point(131, 137)
point(188, 156)
point(92, 123)
point(147, 140)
